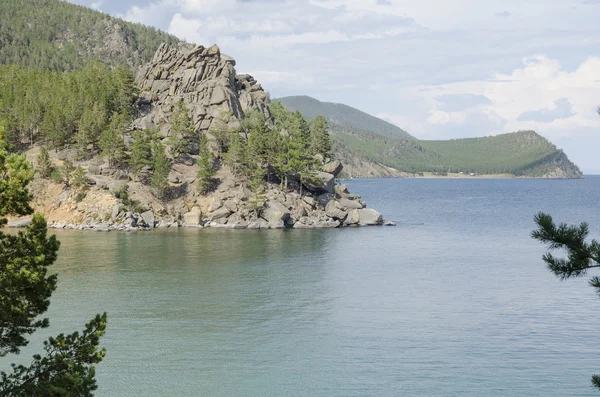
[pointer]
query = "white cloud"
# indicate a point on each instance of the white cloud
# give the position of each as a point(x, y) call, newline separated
point(438, 69)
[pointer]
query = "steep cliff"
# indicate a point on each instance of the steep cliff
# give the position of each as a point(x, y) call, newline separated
point(217, 100)
point(205, 80)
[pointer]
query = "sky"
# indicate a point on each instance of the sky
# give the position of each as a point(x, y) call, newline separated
point(439, 69)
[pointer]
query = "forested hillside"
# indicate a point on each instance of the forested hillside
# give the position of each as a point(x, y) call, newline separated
point(523, 153)
point(342, 117)
point(60, 36)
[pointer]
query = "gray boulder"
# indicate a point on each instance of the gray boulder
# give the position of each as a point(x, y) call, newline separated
point(258, 224)
point(148, 219)
point(324, 183)
point(333, 167)
point(353, 218)
point(192, 218)
point(351, 204)
point(327, 224)
point(334, 210)
point(276, 214)
point(369, 217)
point(222, 212)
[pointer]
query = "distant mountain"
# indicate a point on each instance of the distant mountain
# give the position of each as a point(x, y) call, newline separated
point(371, 146)
point(343, 117)
point(57, 35)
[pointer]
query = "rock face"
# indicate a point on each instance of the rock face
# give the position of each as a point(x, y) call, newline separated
point(205, 80)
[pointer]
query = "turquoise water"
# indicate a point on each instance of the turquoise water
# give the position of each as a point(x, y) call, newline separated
point(455, 301)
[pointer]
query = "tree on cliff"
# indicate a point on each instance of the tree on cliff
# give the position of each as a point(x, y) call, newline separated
point(67, 367)
point(112, 143)
point(91, 125)
point(44, 164)
point(320, 142)
point(581, 255)
point(162, 168)
point(182, 132)
point(206, 170)
point(141, 149)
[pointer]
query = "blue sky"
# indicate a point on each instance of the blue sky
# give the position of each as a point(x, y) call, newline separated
point(439, 69)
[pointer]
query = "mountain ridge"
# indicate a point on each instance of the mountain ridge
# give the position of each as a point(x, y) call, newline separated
point(521, 153)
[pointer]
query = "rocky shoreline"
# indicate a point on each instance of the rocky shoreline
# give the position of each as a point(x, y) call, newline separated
point(232, 208)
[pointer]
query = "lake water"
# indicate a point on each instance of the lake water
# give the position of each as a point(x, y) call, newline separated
point(455, 301)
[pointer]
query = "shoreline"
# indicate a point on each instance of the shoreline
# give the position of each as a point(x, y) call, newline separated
point(432, 175)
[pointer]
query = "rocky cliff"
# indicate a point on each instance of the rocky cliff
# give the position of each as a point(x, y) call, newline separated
point(205, 80)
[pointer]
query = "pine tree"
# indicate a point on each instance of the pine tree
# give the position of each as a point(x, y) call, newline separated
point(79, 177)
point(44, 164)
point(301, 164)
point(67, 172)
point(237, 157)
point(320, 142)
point(112, 143)
point(206, 169)
point(162, 168)
point(91, 126)
point(581, 255)
point(67, 368)
point(182, 132)
point(141, 150)
point(127, 91)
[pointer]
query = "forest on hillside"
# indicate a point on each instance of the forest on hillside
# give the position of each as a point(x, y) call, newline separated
point(357, 135)
point(503, 154)
point(60, 36)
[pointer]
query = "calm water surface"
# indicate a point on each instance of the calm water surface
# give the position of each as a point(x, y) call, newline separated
point(455, 301)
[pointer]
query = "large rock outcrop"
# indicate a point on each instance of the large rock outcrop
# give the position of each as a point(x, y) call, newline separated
point(205, 80)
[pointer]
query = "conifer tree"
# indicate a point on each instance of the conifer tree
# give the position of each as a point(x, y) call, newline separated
point(67, 172)
point(79, 177)
point(162, 168)
point(581, 254)
point(237, 157)
point(126, 93)
point(91, 126)
point(206, 169)
point(44, 164)
point(320, 142)
point(112, 143)
point(141, 149)
point(182, 131)
point(67, 367)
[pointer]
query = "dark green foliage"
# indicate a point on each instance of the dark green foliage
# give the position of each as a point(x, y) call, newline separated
point(44, 164)
point(67, 367)
point(182, 133)
point(206, 169)
point(67, 172)
point(15, 175)
point(581, 254)
point(237, 156)
point(91, 124)
point(141, 150)
point(320, 142)
point(112, 140)
point(60, 36)
point(263, 151)
point(26, 285)
point(79, 177)
point(346, 117)
point(66, 370)
point(162, 168)
point(80, 197)
point(357, 135)
point(130, 204)
point(63, 107)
